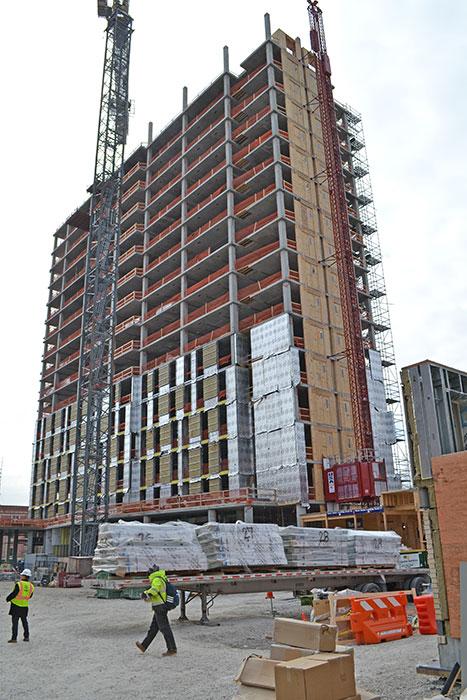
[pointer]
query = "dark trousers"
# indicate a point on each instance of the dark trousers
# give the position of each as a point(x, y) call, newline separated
point(18, 614)
point(160, 622)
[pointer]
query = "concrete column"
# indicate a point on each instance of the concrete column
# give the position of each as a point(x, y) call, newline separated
point(15, 547)
point(212, 515)
point(62, 333)
point(267, 26)
point(145, 285)
point(278, 179)
point(30, 544)
point(8, 547)
point(184, 231)
point(146, 519)
point(1, 544)
point(299, 511)
point(229, 174)
point(248, 514)
point(48, 541)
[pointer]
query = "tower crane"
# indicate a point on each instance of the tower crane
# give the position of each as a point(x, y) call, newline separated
point(342, 240)
point(89, 502)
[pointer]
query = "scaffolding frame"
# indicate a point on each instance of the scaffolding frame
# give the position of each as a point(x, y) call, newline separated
point(381, 338)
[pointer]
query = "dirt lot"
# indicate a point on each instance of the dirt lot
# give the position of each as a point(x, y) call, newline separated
point(83, 648)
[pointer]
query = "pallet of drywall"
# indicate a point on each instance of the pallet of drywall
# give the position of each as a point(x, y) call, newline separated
point(373, 548)
point(241, 545)
point(313, 546)
point(129, 548)
point(308, 547)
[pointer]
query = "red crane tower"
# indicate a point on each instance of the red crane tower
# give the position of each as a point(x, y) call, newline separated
point(342, 240)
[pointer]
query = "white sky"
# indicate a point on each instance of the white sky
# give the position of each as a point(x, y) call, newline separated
point(402, 64)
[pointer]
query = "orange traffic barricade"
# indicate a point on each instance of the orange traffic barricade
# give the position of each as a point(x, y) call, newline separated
point(425, 605)
point(380, 618)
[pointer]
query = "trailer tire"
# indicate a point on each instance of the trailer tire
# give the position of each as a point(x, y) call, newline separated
point(370, 587)
point(419, 583)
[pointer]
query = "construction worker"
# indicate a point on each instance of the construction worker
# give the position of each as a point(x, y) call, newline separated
point(19, 599)
point(157, 596)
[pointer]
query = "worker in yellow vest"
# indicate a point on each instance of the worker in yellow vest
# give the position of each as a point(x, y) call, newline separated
point(19, 599)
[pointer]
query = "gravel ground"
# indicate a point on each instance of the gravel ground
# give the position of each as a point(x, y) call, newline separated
point(83, 648)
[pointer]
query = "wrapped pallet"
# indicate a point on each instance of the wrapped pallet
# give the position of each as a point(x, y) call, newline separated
point(309, 546)
point(241, 545)
point(129, 548)
point(373, 548)
point(314, 546)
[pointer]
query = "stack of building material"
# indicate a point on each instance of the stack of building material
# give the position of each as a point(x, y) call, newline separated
point(307, 546)
point(305, 664)
point(241, 545)
point(280, 445)
point(313, 546)
point(368, 548)
point(130, 548)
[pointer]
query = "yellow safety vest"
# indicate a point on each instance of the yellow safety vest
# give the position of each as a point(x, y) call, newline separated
point(26, 589)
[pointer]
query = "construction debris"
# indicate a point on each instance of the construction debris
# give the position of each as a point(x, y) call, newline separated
point(308, 666)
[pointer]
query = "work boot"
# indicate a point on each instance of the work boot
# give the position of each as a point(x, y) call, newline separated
point(170, 652)
point(12, 641)
point(25, 639)
point(140, 647)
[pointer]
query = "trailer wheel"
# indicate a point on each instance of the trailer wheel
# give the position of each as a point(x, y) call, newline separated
point(370, 587)
point(419, 583)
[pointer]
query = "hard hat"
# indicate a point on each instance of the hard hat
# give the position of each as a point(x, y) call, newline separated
point(26, 572)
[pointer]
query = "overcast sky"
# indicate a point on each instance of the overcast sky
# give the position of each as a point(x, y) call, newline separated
point(401, 64)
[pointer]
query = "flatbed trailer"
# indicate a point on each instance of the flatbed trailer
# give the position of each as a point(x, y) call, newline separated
point(208, 586)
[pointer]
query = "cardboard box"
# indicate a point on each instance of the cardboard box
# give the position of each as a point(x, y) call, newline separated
point(306, 635)
point(246, 691)
point(283, 652)
point(316, 678)
point(258, 672)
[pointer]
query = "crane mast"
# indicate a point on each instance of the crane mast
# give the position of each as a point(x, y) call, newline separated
point(342, 239)
point(89, 502)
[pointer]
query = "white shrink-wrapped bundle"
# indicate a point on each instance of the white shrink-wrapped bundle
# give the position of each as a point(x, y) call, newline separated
point(241, 545)
point(314, 546)
point(129, 548)
point(373, 548)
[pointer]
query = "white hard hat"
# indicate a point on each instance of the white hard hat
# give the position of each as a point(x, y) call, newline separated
point(26, 572)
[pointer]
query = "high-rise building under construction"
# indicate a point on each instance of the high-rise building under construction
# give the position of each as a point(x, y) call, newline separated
point(231, 380)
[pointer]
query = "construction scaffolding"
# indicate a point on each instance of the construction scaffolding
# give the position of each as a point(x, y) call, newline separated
point(378, 333)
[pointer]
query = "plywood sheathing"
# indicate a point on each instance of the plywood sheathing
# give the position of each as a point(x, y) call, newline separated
point(329, 393)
